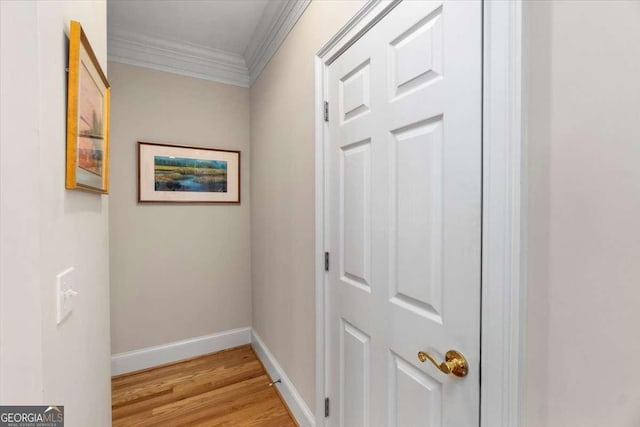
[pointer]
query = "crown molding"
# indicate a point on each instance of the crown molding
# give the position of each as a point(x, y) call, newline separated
point(177, 57)
point(159, 53)
point(278, 19)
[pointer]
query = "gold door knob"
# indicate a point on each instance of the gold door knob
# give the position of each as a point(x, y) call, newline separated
point(454, 363)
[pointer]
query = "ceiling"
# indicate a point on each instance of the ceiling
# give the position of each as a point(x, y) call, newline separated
point(229, 41)
point(222, 24)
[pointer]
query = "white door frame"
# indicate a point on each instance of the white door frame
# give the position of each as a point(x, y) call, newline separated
point(503, 286)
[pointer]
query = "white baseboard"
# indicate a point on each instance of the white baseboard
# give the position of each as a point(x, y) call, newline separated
point(296, 403)
point(159, 355)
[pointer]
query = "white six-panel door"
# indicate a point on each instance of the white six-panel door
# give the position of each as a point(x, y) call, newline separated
point(403, 190)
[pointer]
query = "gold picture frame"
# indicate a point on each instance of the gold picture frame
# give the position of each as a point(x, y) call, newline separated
point(88, 102)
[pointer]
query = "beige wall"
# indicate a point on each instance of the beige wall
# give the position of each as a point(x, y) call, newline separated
point(282, 182)
point(45, 228)
point(584, 205)
point(177, 271)
point(20, 293)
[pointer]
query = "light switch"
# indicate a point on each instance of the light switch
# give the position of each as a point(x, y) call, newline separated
point(65, 293)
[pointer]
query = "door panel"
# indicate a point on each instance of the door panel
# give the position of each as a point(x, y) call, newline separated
point(403, 194)
point(417, 54)
point(416, 398)
point(354, 92)
point(416, 218)
point(355, 174)
point(354, 375)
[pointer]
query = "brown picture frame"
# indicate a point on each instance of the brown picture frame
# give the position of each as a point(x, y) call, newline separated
point(171, 173)
point(88, 115)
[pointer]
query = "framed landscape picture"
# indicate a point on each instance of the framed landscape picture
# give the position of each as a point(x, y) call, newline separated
point(178, 174)
point(88, 96)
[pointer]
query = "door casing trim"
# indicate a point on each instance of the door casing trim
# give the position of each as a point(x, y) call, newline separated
point(503, 197)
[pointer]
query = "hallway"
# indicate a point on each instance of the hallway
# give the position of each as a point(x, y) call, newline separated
point(409, 212)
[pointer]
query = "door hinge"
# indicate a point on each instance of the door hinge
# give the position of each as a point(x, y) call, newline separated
point(326, 111)
point(326, 407)
point(326, 261)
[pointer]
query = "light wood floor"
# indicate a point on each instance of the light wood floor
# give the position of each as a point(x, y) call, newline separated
point(228, 388)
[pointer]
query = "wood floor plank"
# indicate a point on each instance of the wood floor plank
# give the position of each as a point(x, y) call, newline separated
point(224, 388)
point(230, 357)
point(260, 413)
point(188, 383)
point(180, 391)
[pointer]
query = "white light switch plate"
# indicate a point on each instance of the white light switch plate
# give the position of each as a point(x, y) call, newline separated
point(65, 293)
